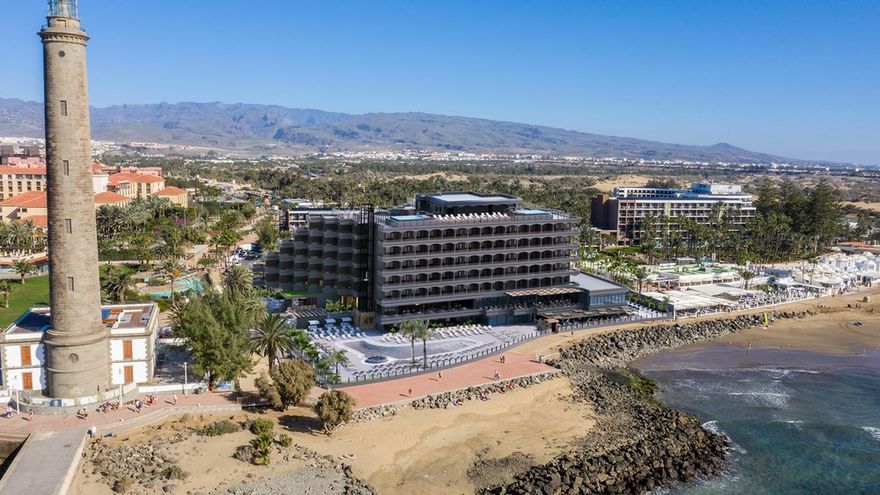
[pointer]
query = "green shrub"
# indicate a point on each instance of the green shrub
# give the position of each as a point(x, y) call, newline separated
point(262, 425)
point(174, 472)
point(334, 408)
point(218, 428)
point(284, 440)
point(262, 446)
point(287, 385)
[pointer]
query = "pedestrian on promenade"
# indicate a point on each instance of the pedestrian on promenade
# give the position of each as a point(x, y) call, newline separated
point(439, 376)
point(174, 399)
point(9, 411)
point(497, 375)
point(93, 431)
point(502, 359)
point(30, 415)
point(409, 392)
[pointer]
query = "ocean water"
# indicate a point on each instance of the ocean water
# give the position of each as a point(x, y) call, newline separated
point(801, 423)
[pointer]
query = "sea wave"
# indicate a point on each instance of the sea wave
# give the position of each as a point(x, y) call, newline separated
point(873, 431)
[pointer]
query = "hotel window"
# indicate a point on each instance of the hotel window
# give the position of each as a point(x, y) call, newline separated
point(66, 165)
point(25, 355)
point(70, 286)
point(68, 225)
point(64, 108)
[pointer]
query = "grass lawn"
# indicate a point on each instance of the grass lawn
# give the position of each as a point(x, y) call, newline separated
point(22, 297)
point(300, 293)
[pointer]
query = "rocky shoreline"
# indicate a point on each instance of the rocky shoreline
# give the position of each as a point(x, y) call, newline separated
point(638, 444)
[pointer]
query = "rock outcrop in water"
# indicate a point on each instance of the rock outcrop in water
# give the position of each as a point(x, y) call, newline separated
point(638, 444)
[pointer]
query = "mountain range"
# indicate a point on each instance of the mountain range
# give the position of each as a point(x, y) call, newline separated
point(270, 129)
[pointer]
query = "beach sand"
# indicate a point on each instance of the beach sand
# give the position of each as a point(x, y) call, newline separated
point(416, 451)
point(431, 451)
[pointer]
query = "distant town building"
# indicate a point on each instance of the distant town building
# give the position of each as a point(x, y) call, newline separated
point(174, 194)
point(33, 206)
point(16, 179)
point(453, 257)
point(624, 212)
point(135, 185)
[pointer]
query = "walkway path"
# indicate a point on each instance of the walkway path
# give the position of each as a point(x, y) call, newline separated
point(474, 373)
point(198, 404)
point(46, 464)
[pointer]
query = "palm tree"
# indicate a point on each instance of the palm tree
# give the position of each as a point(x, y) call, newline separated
point(116, 283)
point(21, 235)
point(411, 329)
point(23, 267)
point(171, 269)
point(746, 275)
point(272, 338)
point(238, 279)
point(338, 356)
point(424, 333)
point(4, 289)
point(641, 275)
point(301, 342)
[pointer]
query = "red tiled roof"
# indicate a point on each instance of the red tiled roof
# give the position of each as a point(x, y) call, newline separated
point(6, 169)
point(171, 191)
point(147, 178)
point(41, 221)
point(30, 199)
point(115, 179)
point(109, 197)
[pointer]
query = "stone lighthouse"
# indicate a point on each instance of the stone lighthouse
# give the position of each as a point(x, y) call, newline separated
point(77, 347)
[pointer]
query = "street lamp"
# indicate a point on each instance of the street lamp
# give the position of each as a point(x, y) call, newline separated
point(184, 378)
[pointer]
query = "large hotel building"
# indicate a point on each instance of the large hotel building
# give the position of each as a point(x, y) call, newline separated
point(624, 212)
point(450, 257)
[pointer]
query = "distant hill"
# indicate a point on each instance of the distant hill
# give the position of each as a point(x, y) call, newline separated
point(268, 128)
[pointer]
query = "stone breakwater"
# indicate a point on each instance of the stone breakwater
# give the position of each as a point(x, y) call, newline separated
point(446, 400)
point(621, 347)
point(638, 444)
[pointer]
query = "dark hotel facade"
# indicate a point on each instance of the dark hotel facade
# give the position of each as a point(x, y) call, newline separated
point(453, 257)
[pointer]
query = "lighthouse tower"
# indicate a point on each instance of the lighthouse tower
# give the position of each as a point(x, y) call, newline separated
point(77, 347)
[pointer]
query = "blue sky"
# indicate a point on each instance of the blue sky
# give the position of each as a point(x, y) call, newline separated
point(796, 78)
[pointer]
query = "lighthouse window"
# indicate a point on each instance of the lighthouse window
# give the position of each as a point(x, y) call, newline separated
point(68, 225)
point(66, 165)
point(70, 284)
point(61, 53)
point(64, 108)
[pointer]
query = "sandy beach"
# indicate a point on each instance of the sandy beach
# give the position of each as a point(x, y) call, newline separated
point(416, 451)
point(432, 451)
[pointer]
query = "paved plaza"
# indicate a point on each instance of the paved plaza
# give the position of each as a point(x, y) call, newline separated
point(474, 373)
point(373, 355)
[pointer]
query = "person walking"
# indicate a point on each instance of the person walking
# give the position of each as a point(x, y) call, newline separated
point(174, 400)
point(439, 376)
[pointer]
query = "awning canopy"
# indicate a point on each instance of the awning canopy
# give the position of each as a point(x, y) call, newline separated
point(546, 291)
point(576, 314)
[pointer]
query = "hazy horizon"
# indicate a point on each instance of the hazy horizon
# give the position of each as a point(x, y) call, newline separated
point(788, 78)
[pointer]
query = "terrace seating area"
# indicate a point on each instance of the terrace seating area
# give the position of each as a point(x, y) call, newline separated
point(443, 333)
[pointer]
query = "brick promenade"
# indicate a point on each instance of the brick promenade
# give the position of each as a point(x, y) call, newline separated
point(470, 374)
point(121, 418)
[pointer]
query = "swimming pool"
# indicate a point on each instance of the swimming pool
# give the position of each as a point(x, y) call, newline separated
point(190, 283)
point(367, 348)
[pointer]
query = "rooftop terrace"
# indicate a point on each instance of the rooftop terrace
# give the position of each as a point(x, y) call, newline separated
point(123, 316)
